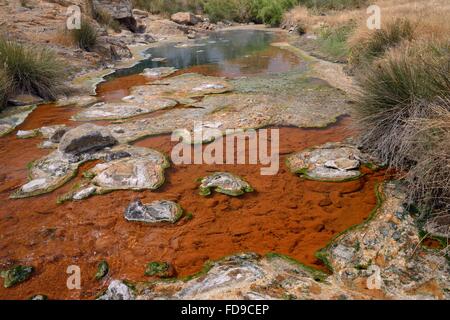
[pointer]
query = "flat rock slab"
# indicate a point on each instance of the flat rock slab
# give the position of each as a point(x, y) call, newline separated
point(329, 162)
point(11, 117)
point(79, 101)
point(115, 111)
point(154, 73)
point(157, 211)
point(84, 138)
point(135, 173)
point(225, 183)
point(184, 86)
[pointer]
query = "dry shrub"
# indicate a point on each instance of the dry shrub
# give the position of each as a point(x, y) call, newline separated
point(5, 87)
point(404, 106)
point(32, 70)
point(429, 146)
point(364, 49)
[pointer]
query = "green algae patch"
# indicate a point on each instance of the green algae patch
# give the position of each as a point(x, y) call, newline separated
point(16, 275)
point(102, 270)
point(159, 269)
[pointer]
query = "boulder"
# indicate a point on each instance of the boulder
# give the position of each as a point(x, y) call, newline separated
point(157, 211)
point(119, 52)
point(185, 18)
point(85, 138)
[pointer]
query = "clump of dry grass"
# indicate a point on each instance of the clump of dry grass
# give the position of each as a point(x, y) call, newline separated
point(429, 146)
point(31, 70)
point(404, 106)
point(5, 87)
point(364, 49)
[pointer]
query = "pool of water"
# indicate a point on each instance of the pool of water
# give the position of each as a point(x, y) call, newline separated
point(227, 53)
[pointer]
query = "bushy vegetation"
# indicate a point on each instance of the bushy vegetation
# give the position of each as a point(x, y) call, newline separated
point(86, 36)
point(364, 49)
point(269, 12)
point(168, 7)
point(5, 87)
point(26, 69)
point(403, 96)
point(333, 4)
point(333, 41)
point(259, 11)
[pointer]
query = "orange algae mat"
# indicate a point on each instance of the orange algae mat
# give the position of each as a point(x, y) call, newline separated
point(286, 214)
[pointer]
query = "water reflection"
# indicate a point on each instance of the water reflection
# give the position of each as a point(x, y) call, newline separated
point(228, 53)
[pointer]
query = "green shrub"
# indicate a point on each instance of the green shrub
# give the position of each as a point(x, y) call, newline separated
point(269, 12)
point(333, 41)
point(5, 87)
point(394, 33)
point(86, 36)
point(31, 70)
point(333, 4)
point(168, 7)
point(218, 10)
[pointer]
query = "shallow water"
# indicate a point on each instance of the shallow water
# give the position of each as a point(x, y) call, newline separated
point(285, 214)
point(230, 53)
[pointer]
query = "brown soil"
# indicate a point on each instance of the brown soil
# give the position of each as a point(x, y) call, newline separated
point(286, 214)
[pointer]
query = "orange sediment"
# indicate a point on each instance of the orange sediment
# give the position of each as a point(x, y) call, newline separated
point(285, 214)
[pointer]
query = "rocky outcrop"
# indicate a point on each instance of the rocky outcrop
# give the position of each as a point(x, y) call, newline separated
point(157, 211)
point(86, 138)
point(117, 290)
point(185, 18)
point(226, 183)
point(117, 9)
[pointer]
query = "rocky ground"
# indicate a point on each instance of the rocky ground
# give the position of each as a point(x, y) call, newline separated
point(382, 259)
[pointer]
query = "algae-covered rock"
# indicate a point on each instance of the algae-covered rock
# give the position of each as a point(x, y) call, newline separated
point(146, 172)
point(157, 211)
point(225, 183)
point(102, 270)
point(127, 167)
point(159, 269)
point(329, 162)
point(16, 275)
